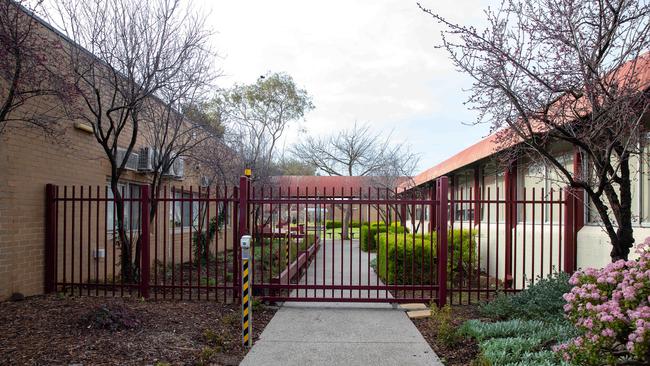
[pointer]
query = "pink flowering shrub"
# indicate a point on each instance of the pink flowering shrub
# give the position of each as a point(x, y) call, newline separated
point(611, 308)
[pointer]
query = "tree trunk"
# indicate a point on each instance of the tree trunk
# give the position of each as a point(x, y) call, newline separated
point(347, 214)
point(128, 270)
point(624, 231)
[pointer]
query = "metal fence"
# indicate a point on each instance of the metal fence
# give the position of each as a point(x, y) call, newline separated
point(177, 243)
point(184, 242)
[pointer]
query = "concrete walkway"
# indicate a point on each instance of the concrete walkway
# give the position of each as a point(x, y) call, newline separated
point(314, 333)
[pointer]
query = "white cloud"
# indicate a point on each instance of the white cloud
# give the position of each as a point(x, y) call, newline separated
point(367, 61)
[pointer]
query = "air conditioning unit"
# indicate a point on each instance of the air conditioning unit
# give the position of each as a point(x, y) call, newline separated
point(205, 181)
point(146, 161)
point(169, 172)
point(179, 167)
point(131, 163)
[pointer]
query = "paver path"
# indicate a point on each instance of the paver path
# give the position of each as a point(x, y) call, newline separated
point(314, 333)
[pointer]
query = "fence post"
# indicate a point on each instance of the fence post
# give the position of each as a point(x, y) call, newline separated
point(242, 222)
point(246, 292)
point(569, 230)
point(50, 239)
point(145, 200)
point(442, 187)
point(477, 196)
point(510, 186)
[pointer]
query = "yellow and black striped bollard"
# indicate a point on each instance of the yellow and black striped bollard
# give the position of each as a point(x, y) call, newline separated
point(247, 311)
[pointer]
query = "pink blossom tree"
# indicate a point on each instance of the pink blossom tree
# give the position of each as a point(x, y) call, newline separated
point(567, 71)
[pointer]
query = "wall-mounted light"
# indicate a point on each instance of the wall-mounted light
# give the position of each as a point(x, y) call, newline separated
point(83, 127)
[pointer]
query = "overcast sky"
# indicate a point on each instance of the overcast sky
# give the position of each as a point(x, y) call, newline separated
point(368, 61)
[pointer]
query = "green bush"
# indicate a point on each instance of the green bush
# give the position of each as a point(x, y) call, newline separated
point(333, 224)
point(368, 234)
point(398, 254)
point(355, 224)
point(417, 251)
point(541, 300)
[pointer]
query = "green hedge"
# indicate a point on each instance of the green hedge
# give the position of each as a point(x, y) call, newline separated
point(333, 224)
point(396, 256)
point(368, 234)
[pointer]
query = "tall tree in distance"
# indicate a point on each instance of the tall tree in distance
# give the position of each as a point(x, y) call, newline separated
point(358, 151)
point(257, 117)
point(569, 71)
point(125, 53)
point(28, 71)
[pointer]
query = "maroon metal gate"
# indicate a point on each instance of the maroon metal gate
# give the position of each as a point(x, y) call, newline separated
point(345, 245)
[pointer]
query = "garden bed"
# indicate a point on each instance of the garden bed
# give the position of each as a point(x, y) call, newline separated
point(92, 330)
point(462, 352)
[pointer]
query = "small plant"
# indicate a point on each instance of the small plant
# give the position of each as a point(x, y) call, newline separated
point(113, 318)
point(541, 300)
point(218, 342)
point(205, 281)
point(257, 305)
point(441, 321)
point(231, 319)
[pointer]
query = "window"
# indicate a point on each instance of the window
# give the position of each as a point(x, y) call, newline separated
point(185, 211)
point(463, 191)
point(131, 208)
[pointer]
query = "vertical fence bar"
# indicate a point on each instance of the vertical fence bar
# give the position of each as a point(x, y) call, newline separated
point(509, 187)
point(442, 191)
point(144, 242)
point(49, 281)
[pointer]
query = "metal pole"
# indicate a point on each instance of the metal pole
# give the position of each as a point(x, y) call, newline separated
point(247, 311)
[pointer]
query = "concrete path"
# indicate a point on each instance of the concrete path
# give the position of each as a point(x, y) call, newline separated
point(314, 333)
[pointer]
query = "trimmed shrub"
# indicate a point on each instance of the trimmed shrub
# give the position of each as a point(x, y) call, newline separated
point(541, 300)
point(416, 251)
point(368, 234)
point(398, 254)
point(333, 224)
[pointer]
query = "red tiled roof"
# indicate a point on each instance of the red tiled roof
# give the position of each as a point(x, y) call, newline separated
point(492, 144)
point(305, 185)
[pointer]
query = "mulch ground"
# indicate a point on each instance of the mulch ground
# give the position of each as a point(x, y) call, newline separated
point(462, 352)
point(95, 330)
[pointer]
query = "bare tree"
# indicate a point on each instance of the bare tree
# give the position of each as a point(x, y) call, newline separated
point(572, 71)
point(124, 53)
point(358, 152)
point(257, 117)
point(28, 71)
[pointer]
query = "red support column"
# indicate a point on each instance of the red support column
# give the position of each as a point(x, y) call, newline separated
point(477, 195)
point(145, 199)
point(442, 187)
point(510, 185)
point(50, 239)
point(569, 230)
